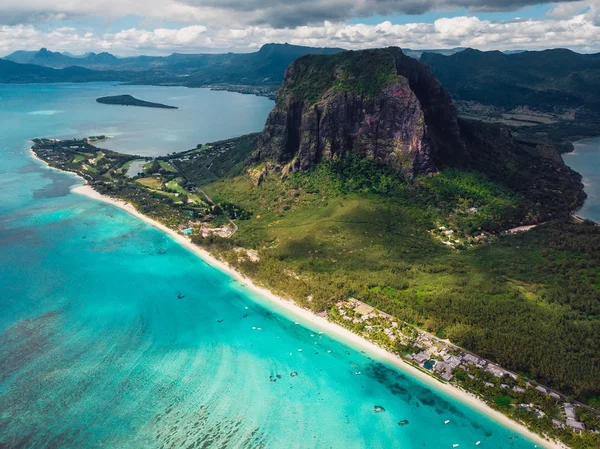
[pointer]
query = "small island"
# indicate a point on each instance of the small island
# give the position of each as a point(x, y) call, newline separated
point(128, 100)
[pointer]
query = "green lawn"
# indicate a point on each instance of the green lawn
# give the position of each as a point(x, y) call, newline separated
point(167, 166)
point(151, 182)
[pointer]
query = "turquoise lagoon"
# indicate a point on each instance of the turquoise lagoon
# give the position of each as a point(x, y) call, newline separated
point(114, 336)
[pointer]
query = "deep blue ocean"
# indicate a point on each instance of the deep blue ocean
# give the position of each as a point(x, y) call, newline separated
point(98, 351)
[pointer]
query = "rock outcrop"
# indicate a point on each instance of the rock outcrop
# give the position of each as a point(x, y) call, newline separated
point(384, 105)
point(379, 104)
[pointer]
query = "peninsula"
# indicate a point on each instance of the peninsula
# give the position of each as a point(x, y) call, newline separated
point(367, 201)
point(128, 100)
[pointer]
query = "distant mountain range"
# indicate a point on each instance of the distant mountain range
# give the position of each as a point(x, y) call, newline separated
point(56, 60)
point(12, 72)
point(551, 80)
point(264, 67)
point(284, 53)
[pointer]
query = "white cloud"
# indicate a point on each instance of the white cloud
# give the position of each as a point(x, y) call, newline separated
point(567, 10)
point(274, 13)
point(580, 32)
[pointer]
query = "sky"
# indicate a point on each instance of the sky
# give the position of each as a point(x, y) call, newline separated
point(160, 27)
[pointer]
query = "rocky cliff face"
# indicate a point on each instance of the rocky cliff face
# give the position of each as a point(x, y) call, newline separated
point(379, 104)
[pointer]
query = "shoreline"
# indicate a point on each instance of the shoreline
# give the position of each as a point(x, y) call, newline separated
point(584, 178)
point(332, 329)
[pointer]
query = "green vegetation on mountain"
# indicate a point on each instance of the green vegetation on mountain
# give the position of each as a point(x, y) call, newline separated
point(365, 74)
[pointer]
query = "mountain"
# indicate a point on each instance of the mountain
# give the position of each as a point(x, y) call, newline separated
point(554, 81)
point(264, 67)
point(47, 58)
point(43, 57)
point(386, 107)
point(11, 72)
point(376, 103)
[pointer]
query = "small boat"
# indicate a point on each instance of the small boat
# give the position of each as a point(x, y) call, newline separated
point(357, 373)
point(328, 351)
point(299, 350)
point(447, 421)
point(455, 445)
point(180, 296)
point(378, 409)
point(403, 422)
point(259, 328)
point(478, 443)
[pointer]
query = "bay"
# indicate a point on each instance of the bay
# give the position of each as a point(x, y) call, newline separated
point(586, 161)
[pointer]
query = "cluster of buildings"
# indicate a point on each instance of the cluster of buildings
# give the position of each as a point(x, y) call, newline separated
point(448, 357)
point(206, 230)
point(570, 418)
point(443, 358)
point(451, 238)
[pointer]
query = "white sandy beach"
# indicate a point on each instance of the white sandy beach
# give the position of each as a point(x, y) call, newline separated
point(323, 324)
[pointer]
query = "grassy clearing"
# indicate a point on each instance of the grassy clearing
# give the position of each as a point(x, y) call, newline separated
point(152, 182)
point(175, 186)
point(167, 166)
point(202, 147)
